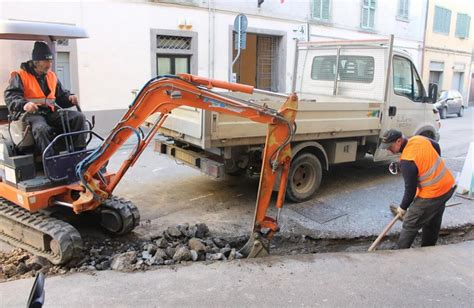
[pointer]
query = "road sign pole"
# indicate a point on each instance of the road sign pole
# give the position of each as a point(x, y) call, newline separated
point(239, 33)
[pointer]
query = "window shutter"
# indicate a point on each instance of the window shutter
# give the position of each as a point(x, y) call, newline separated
point(400, 7)
point(442, 20)
point(317, 9)
point(371, 19)
point(462, 25)
point(365, 17)
point(325, 10)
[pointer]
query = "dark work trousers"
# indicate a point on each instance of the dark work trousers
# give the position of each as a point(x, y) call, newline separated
point(46, 125)
point(425, 214)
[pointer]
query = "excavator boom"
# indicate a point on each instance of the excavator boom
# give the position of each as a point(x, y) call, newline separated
point(165, 93)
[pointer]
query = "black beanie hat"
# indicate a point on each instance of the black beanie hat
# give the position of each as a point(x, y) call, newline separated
point(41, 51)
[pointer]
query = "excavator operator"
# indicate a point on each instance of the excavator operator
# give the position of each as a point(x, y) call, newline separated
point(34, 93)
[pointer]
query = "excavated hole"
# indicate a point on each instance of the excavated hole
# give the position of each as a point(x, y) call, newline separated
point(301, 244)
point(100, 250)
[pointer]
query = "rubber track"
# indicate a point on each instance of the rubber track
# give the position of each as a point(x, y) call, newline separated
point(67, 236)
point(127, 210)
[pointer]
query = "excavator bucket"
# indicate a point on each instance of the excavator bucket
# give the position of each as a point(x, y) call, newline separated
point(257, 246)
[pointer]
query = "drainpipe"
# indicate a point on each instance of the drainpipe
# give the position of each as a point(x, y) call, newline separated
point(211, 35)
point(424, 41)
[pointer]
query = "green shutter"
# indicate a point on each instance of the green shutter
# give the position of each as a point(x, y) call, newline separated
point(365, 18)
point(442, 20)
point(462, 25)
point(325, 10)
point(317, 9)
point(400, 7)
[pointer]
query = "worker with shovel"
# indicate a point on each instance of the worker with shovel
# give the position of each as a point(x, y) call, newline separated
point(428, 186)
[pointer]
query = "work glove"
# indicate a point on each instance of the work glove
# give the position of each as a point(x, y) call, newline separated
point(401, 212)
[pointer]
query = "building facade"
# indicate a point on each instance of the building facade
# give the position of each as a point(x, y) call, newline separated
point(132, 41)
point(448, 45)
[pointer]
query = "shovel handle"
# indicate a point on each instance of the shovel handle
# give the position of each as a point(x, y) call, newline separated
point(384, 232)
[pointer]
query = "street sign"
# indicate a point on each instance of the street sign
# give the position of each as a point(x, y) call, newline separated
point(301, 33)
point(240, 27)
point(240, 23)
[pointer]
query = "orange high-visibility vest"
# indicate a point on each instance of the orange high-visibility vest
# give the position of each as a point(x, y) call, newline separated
point(32, 90)
point(434, 179)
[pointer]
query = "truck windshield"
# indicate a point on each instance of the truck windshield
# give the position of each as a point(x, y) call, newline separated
point(351, 68)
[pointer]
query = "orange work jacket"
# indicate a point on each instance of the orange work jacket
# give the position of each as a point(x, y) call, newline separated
point(434, 179)
point(32, 91)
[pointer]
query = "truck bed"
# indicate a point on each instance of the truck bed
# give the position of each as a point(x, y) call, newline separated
point(321, 118)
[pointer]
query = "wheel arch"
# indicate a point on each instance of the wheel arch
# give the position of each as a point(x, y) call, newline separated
point(427, 131)
point(311, 147)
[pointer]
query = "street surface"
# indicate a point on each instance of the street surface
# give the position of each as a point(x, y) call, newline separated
point(439, 276)
point(353, 200)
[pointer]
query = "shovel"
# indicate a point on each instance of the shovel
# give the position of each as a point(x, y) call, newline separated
point(384, 232)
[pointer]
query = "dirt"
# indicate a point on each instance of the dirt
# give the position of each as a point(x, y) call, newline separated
point(183, 244)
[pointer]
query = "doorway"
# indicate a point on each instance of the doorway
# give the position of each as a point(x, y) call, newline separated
point(258, 64)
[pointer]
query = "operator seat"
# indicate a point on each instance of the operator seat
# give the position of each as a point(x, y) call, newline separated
point(20, 133)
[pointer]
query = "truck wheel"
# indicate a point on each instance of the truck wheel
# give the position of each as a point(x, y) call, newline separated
point(304, 177)
point(461, 111)
point(443, 113)
point(231, 168)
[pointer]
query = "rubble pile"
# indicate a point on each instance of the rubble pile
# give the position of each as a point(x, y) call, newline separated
point(20, 264)
point(177, 244)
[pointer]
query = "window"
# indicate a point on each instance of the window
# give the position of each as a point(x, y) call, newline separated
point(351, 68)
point(406, 81)
point(321, 10)
point(368, 14)
point(462, 25)
point(442, 20)
point(173, 42)
point(403, 6)
point(171, 64)
point(173, 52)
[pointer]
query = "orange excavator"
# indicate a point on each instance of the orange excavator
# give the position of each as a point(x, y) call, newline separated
point(78, 179)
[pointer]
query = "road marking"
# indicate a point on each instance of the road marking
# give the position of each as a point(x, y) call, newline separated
point(200, 197)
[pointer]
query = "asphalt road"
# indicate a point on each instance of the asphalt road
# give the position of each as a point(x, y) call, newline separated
point(353, 199)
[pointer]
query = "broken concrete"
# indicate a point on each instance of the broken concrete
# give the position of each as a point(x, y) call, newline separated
point(124, 261)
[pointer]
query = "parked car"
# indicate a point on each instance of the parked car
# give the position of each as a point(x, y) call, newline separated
point(450, 102)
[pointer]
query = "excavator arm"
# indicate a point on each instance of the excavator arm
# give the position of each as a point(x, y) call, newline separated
point(163, 94)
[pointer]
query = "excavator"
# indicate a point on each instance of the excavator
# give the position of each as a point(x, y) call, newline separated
point(78, 180)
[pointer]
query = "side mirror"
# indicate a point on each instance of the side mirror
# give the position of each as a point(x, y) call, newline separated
point(36, 299)
point(394, 168)
point(433, 92)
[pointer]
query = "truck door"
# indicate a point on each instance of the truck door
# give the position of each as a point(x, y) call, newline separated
point(404, 108)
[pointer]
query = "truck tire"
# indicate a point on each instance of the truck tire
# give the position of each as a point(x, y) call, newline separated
point(304, 177)
point(231, 168)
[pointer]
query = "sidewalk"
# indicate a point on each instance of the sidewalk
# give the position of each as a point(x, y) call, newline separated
point(440, 276)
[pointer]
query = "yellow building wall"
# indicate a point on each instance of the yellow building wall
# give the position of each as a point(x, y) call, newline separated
point(454, 52)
